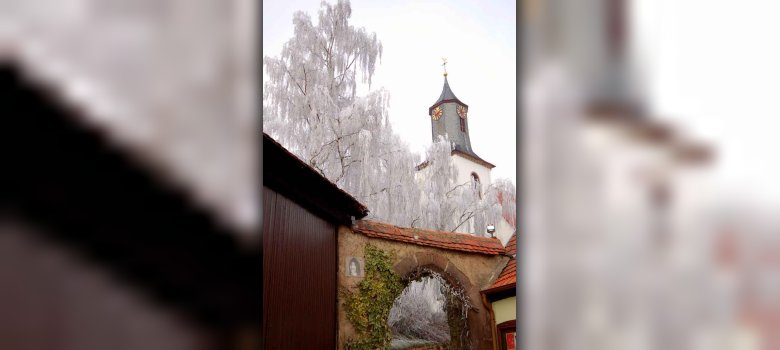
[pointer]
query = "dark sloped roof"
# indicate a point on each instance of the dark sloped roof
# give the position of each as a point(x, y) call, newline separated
point(472, 156)
point(446, 92)
point(439, 239)
point(286, 173)
point(460, 150)
point(446, 96)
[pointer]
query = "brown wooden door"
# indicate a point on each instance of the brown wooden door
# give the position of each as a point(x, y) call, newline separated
point(299, 276)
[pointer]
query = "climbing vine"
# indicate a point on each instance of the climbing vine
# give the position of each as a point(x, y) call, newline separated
point(368, 307)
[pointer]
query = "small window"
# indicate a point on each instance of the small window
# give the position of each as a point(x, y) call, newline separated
point(476, 184)
point(462, 124)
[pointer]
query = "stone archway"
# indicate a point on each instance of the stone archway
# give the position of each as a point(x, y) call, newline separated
point(457, 305)
point(470, 263)
point(423, 264)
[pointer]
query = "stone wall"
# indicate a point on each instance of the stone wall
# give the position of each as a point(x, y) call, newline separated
point(473, 271)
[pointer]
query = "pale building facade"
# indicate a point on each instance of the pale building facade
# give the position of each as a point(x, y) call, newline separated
point(617, 232)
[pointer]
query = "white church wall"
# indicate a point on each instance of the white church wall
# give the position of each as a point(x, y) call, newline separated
point(466, 167)
point(691, 225)
point(616, 173)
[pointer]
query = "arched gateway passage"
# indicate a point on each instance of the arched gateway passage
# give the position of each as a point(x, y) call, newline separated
point(461, 265)
point(432, 310)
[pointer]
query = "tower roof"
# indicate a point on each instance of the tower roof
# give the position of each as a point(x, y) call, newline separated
point(454, 124)
point(446, 95)
point(446, 92)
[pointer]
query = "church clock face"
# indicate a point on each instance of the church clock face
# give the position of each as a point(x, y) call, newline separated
point(437, 112)
point(462, 111)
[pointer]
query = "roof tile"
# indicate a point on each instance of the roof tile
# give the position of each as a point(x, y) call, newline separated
point(511, 245)
point(439, 239)
point(507, 276)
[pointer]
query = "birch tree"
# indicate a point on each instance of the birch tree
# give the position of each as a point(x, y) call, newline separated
point(420, 311)
point(447, 205)
point(311, 106)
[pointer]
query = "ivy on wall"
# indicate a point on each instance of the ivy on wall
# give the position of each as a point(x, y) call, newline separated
point(368, 307)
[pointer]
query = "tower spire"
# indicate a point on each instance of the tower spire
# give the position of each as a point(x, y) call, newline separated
point(450, 118)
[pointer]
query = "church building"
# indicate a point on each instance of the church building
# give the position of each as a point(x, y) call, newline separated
point(450, 118)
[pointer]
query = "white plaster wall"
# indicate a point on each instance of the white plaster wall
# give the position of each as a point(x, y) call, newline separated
point(505, 309)
point(624, 233)
point(466, 167)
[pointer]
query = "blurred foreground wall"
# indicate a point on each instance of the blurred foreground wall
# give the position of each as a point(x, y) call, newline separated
point(623, 228)
point(157, 252)
point(172, 80)
point(54, 299)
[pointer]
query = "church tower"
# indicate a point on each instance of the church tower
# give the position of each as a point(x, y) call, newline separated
point(450, 118)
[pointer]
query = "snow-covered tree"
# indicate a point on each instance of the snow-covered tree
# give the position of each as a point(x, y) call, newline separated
point(448, 205)
point(506, 196)
point(438, 188)
point(311, 106)
point(420, 311)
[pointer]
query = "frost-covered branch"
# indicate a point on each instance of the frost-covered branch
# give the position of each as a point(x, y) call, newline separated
point(468, 216)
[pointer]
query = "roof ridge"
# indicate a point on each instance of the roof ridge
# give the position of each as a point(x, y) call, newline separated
point(427, 230)
point(432, 238)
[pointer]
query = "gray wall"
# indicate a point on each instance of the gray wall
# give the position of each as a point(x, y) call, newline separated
point(52, 299)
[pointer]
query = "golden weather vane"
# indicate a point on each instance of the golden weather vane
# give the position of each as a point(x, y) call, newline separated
point(444, 64)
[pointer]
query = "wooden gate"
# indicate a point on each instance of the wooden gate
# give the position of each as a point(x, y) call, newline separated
point(301, 212)
point(299, 276)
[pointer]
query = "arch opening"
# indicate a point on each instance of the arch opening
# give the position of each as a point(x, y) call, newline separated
point(432, 310)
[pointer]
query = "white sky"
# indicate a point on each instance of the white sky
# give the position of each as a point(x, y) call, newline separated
point(714, 67)
point(476, 37)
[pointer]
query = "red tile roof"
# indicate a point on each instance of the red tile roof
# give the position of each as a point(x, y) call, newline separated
point(439, 239)
point(511, 246)
point(508, 276)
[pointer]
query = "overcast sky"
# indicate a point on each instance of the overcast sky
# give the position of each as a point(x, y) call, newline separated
point(478, 38)
point(714, 67)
